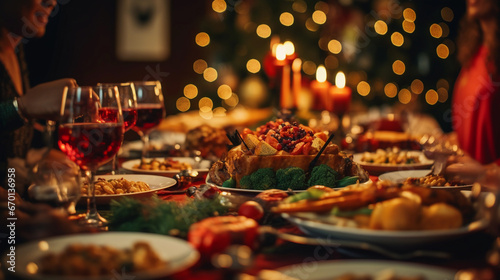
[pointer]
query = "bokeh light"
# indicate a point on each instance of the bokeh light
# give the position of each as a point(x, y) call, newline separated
point(380, 27)
point(202, 39)
point(397, 39)
point(431, 97)
point(219, 6)
point(408, 26)
point(210, 74)
point(289, 47)
point(417, 86)
point(391, 90)
point(199, 66)
point(398, 67)
point(190, 91)
point(404, 96)
point(442, 51)
point(334, 46)
point(447, 14)
point(219, 112)
point(322, 6)
point(436, 30)
point(311, 25)
point(409, 14)
point(253, 66)
point(205, 104)
point(309, 67)
point(445, 29)
point(232, 101)
point(263, 31)
point(442, 95)
point(299, 6)
point(286, 19)
point(183, 104)
point(319, 17)
point(224, 92)
point(363, 88)
point(443, 83)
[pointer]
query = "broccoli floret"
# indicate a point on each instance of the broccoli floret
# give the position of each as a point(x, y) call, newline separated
point(262, 179)
point(229, 183)
point(291, 178)
point(323, 175)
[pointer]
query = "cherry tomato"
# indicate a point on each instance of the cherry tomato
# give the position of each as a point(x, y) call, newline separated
point(251, 209)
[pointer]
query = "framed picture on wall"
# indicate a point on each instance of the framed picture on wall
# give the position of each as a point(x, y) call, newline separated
point(143, 30)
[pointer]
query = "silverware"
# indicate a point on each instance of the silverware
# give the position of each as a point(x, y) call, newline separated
point(354, 245)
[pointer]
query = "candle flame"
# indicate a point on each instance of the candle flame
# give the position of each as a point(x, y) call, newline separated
point(296, 65)
point(340, 80)
point(289, 47)
point(280, 52)
point(321, 74)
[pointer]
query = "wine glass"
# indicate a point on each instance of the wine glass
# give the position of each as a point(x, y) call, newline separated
point(87, 139)
point(150, 110)
point(128, 100)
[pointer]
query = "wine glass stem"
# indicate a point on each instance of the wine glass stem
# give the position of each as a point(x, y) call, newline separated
point(93, 216)
point(114, 165)
point(145, 142)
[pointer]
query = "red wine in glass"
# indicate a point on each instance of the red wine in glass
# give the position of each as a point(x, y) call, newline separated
point(110, 115)
point(148, 117)
point(90, 144)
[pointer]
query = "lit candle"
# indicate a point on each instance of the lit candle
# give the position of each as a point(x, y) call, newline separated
point(296, 81)
point(340, 95)
point(285, 98)
point(320, 88)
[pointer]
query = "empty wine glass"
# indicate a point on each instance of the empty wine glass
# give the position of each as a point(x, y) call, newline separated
point(150, 110)
point(86, 138)
point(128, 100)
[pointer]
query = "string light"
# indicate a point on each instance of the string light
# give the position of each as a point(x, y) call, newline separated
point(224, 92)
point(380, 27)
point(417, 86)
point(363, 88)
point(397, 39)
point(442, 51)
point(253, 66)
point(219, 6)
point(391, 90)
point(202, 39)
point(286, 19)
point(404, 96)
point(398, 67)
point(210, 74)
point(190, 91)
point(319, 17)
point(199, 66)
point(431, 97)
point(408, 26)
point(436, 30)
point(409, 14)
point(334, 46)
point(263, 31)
point(183, 104)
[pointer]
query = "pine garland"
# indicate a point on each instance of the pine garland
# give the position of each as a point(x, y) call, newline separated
point(163, 217)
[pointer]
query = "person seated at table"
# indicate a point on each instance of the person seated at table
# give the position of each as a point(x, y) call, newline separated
point(20, 104)
point(476, 96)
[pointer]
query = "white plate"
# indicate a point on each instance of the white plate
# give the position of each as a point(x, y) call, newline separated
point(204, 166)
point(177, 253)
point(402, 240)
point(400, 176)
point(379, 168)
point(155, 183)
point(249, 191)
point(335, 268)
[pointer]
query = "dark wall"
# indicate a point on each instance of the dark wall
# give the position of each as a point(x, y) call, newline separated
point(80, 43)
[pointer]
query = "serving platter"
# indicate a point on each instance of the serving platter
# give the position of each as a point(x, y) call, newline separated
point(202, 167)
point(400, 176)
point(375, 269)
point(179, 256)
point(380, 168)
point(155, 183)
point(316, 225)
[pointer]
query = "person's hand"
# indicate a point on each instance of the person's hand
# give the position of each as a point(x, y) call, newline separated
point(44, 100)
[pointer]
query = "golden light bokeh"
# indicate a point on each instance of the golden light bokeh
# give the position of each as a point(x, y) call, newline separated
point(397, 39)
point(299, 6)
point(183, 104)
point(417, 86)
point(436, 30)
point(205, 104)
point(442, 51)
point(363, 88)
point(286, 19)
point(207, 115)
point(190, 91)
point(431, 97)
point(309, 67)
point(443, 83)
point(202, 39)
point(409, 14)
point(391, 90)
point(263, 31)
point(398, 67)
point(210, 74)
point(408, 26)
point(319, 17)
point(442, 95)
point(445, 28)
point(219, 112)
point(334, 46)
point(224, 92)
point(199, 66)
point(322, 6)
point(331, 62)
point(219, 6)
point(404, 96)
point(289, 47)
point(311, 25)
point(232, 101)
point(447, 14)
point(253, 66)
point(380, 27)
